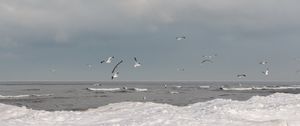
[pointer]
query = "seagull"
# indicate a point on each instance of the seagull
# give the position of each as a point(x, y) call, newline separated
point(108, 60)
point(89, 66)
point(136, 64)
point(241, 75)
point(263, 62)
point(116, 66)
point(115, 75)
point(165, 85)
point(180, 38)
point(207, 60)
point(209, 57)
point(266, 72)
point(97, 84)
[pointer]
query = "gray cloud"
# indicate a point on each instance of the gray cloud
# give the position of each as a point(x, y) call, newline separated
point(33, 28)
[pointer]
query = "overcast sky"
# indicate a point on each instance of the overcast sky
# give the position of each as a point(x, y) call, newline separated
point(39, 35)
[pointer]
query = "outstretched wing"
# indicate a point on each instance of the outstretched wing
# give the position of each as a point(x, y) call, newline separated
point(135, 59)
point(207, 60)
point(110, 58)
point(116, 66)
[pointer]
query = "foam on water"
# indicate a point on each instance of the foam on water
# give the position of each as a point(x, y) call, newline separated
point(23, 96)
point(274, 110)
point(104, 89)
point(118, 89)
point(260, 88)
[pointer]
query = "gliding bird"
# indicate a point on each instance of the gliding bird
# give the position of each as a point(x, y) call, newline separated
point(136, 64)
point(116, 66)
point(109, 59)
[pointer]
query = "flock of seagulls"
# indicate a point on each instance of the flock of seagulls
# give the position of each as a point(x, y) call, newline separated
point(265, 72)
point(206, 59)
point(115, 72)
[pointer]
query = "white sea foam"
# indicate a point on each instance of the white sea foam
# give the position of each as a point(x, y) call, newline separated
point(260, 88)
point(104, 89)
point(204, 87)
point(274, 110)
point(237, 89)
point(13, 96)
point(23, 96)
point(141, 89)
point(118, 89)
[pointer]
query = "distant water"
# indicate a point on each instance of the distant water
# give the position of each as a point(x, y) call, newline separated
point(80, 95)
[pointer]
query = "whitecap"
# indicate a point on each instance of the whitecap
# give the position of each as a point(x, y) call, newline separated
point(104, 89)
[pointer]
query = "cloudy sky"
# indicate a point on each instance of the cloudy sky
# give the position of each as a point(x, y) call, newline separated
point(38, 36)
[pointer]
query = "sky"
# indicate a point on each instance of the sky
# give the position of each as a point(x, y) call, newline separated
point(56, 39)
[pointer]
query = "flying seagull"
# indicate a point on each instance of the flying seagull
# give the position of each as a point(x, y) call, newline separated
point(115, 75)
point(266, 72)
point(263, 62)
point(89, 66)
point(136, 64)
point(241, 75)
point(207, 60)
point(109, 59)
point(180, 38)
point(116, 66)
point(209, 57)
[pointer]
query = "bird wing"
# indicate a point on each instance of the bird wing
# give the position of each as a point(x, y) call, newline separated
point(135, 59)
point(207, 60)
point(109, 58)
point(116, 66)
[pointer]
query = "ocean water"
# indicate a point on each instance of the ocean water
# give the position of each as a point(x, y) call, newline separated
point(136, 103)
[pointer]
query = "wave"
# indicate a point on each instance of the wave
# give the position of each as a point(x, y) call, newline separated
point(124, 89)
point(260, 88)
point(275, 110)
point(104, 89)
point(23, 96)
point(204, 87)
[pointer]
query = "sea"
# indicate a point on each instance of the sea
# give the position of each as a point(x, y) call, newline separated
point(149, 103)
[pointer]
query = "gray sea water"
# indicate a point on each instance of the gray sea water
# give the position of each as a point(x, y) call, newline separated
point(74, 95)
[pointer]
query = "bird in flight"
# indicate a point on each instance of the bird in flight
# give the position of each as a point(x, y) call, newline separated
point(136, 63)
point(108, 60)
point(266, 72)
point(263, 62)
point(116, 66)
point(207, 60)
point(115, 75)
point(180, 38)
point(241, 75)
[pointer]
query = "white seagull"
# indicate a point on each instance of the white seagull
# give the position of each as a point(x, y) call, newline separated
point(263, 62)
point(266, 72)
point(180, 38)
point(89, 66)
point(136, 64)
point(116, 66)
point(115, 75)
point(207, 60)
point(241, 75)
point(109, 60)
